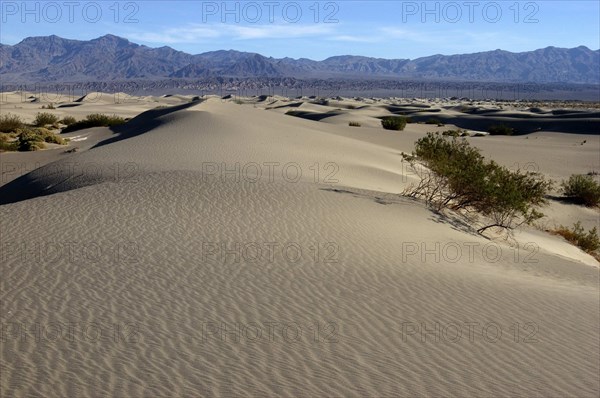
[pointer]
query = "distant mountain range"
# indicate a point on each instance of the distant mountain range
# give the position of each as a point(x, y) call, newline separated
point(54, 59)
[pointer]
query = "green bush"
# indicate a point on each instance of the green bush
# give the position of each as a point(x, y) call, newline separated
point(434, 120)
point(394, 123)
point(582, 189)
point(461, 179)
point(588, 242)
point(7, 142)
point(354, 124)
point(8, 146)
point(95, 120)
point(68, 120)
point(29, 141)
point(501, 129)
point(45, 118)
point(49, 137)
point(10, 123)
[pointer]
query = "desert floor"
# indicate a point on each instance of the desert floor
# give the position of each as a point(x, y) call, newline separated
point(222, 247)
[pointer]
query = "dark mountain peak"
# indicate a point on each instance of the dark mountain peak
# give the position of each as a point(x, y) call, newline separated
point(109, 37)
point(110, 57)
point(41, 40)
point(113, 40)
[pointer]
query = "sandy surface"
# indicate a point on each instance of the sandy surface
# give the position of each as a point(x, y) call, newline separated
point(220, 249)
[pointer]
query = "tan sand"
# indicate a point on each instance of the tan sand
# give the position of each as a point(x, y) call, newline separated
point(229, 250)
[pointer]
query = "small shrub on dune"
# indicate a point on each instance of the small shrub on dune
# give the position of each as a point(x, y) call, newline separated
point(95, 120)
point(104, 120)
point(68, 120)
point(435, 121)
point(8, 146)
point(45, 118)
point(10, 123)
point(7, 142)
point(460, 179)
point(582, 189)
point(354, 124)
point(49, 137)
point(29, 141)
point(501, 129)
point(397, 123)
point(588, 242)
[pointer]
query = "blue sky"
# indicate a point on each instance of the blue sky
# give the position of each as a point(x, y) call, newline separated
point(315, 29)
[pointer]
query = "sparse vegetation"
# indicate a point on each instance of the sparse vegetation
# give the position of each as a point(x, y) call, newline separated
point(29, 141)
point(68, 120)
point(457, 177)
point(501, 129)
point(49, 106)
point(582, 189)
point(7, 142)
point(95, 120)
point(44, 119)
point(588, 241)
point(10, 123)
point(397, 123)
point(354, 124)
point(435, 121)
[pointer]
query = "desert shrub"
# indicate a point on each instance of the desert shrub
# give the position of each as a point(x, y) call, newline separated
point(95, 120)
point(394, 123)
point(10, 123)
point(7, 142)
point(354, 124)
point(434, 120)
point(68, 120)
point(29, 141)
point(6, 137)
point(8, 146)
point(44, 118)
point(49, 137)
point(49, 106)
point(588, 242)
point(501, 129)
point(582, 189)
point(459, 178)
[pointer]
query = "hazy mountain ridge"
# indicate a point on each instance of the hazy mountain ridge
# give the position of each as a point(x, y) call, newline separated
point(52, 58)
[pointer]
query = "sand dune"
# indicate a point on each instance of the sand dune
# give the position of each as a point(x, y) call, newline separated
point(219, 249)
